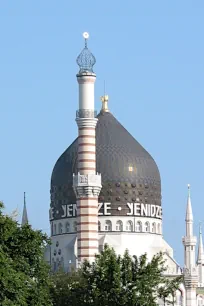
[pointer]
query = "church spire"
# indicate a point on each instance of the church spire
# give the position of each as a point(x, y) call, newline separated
point(25, 215)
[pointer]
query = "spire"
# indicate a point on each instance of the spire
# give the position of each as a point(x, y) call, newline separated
point(189, 213)
point(25, 215)
point(200, 258)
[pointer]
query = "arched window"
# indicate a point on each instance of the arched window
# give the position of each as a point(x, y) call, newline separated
point(119, 226)
point(99, 226)
point(67, 227)
point(147, 227)
point(138, 226)
point(60, 230)
point(159, 228)
point(75, 226)
point(108, 225)
point(55, 229)
point(129, 226)
point(153, 227)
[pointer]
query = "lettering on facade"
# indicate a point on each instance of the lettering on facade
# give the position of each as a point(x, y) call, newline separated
point(104, 209)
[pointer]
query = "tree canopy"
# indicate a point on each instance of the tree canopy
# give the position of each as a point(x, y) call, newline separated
point(24, 275)
point(113, 280)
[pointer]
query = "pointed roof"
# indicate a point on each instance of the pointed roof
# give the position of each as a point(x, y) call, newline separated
point(200, 258)
point(25, 215)
point(189, 213)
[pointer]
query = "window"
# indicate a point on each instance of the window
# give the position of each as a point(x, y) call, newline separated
point(67, 227)
point(99, 226)
point(138, 227)
point(55, 229)
point(60, 231)
point(108, 226)
point(119, 226)
point(159, 228)
point(153, 227)
point(75, 226)
point(147, 227)
point(129, 226)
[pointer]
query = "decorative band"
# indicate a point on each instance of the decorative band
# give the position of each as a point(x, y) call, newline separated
point(86, 223)
point(87, 198)
point(86, 168)
point(87, 128)
point(86, 160)
point(87, 206)
point(87, 231)
point(88, 247)
point(87, 136)
point(86, 144)
point(87, 215)
point(87, 239)
point(87, 152)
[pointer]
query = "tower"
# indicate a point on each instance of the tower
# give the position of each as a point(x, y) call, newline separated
point(86, 183)
point(190, 269)
point(200, 259)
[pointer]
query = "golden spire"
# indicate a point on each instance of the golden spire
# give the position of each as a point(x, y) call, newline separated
point(104, 100)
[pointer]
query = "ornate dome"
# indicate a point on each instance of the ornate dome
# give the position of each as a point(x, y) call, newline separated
point(129, 174)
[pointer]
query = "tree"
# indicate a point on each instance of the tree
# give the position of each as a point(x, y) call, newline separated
point(111, 280)
point(168, 289)
point(24, 275)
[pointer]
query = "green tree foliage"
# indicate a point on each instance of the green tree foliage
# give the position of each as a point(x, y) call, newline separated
point(168, 289)
point(24, 275)
point(111, 280)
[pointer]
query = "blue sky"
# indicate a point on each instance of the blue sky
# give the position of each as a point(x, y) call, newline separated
point(151, 54)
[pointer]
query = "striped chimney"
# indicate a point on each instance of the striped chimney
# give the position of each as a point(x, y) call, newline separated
point(86, 183)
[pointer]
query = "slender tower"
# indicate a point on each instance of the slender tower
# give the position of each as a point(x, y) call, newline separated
point(86, 183)
point(25, 215)
point(200, 260)
point(190, 269)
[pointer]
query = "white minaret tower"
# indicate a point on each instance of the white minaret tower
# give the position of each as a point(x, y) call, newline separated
point(87, 184)
point(190, 269)
point(200, 260)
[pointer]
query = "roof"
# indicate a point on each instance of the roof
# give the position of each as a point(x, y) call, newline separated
point(129, 173)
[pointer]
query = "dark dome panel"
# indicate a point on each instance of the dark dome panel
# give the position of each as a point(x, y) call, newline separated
point(129, 173)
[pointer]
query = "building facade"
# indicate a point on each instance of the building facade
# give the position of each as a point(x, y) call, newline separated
point(106, 188)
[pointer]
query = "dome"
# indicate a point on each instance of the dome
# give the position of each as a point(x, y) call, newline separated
point(129, 173)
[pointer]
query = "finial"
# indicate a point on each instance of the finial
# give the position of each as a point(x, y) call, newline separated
point(86, 59)
point(200, 227)
point(104, 100)
point(189, 190)
point(86, 36)
point(24, 198)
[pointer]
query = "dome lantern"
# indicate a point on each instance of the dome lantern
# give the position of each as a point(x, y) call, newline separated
point(86, 60)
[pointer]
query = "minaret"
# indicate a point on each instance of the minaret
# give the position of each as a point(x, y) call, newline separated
point(200, 259)
point(190, 269)
point(25, 215)
point(87, 183)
